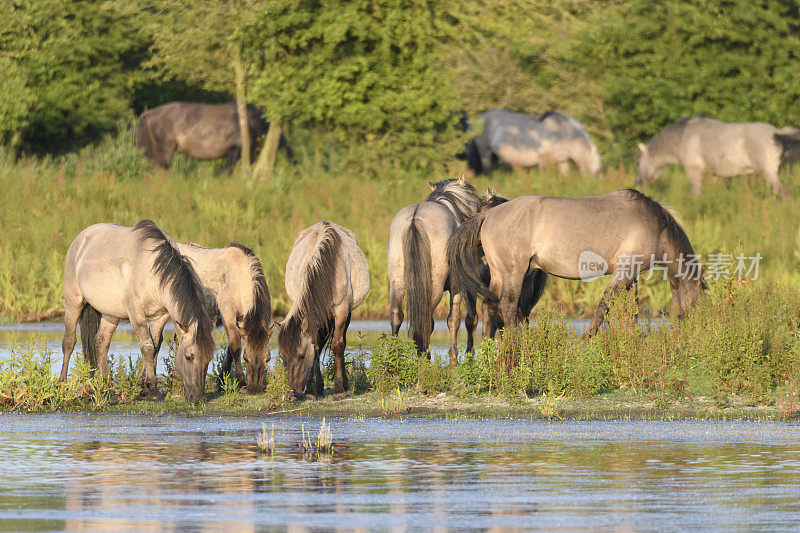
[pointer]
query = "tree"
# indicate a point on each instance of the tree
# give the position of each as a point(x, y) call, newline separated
point(659, 61)
point(365, 70)
point(195, 40)
point(70, 68)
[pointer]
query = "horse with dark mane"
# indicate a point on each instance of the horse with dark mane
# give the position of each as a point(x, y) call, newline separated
point(115, 273)
point(417, 262)
point(327, 276)
point(702, 144)
point(622, 233)
point(202, 131)
point(532, 284)
point(234, 276)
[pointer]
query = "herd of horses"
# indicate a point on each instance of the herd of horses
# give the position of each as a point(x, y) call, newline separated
point(473, 246)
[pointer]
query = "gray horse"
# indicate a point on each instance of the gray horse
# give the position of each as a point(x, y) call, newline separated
point(551, 138)
point(115, 273)
point(327, 276)
point(234, 276)
point(202, 131)
point(417, 262)
point(702, 144)
point(622, 233)
point(532, 284)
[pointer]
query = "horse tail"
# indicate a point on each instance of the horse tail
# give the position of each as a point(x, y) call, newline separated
point(419, 284)
point(90, 324)
point(789, 146)
point(532, 290)
point(143, 140)
point(463, 254)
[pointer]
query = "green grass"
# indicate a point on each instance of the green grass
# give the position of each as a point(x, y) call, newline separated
point(47, 202)
point(736, 355)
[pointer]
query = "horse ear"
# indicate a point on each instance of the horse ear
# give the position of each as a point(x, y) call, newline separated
point(642, 148)
point(489, 193)
point(271, 329)
point(179, 329)
point(462, 180)
point(277, 325)
point(432, 185)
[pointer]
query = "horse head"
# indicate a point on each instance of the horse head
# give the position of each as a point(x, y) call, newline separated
point(194, 353)
point(648, 170)
point(298, 352)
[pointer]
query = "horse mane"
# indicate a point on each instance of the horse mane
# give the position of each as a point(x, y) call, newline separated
point(260, 312)
point(670, 134)
point(315, 303)
point(460, 200)
point(666, 220)
point(175, 271)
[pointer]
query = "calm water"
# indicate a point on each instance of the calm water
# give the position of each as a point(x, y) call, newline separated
point(124, 343)
point(168, 473)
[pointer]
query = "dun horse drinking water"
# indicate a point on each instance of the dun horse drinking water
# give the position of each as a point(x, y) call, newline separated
point(622, 233)
point(551, 138)
point(327, 276)
point(417, 262)
point(702, 144)
point(202, 131)
point(236, 279)
point(114, 273)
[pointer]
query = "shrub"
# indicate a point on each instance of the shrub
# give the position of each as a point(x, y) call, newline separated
point(394, 364)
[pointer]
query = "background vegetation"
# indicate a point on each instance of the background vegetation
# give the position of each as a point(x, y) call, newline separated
point(369, 93)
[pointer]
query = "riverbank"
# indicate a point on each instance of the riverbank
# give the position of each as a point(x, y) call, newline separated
point(615, 405)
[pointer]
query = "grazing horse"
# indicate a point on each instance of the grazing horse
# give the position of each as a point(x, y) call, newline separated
point(532, 284)
point(417, 262)
point(702, 144)
point(202, 131)
point(551, 138)
point(327, 276)
point(115, 273)
point(236, 279)
point(622, 233)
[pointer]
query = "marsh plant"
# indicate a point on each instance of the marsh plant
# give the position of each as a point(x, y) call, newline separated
point(323, 444)
point(277, 390)
point(393, 404)
point(266, 441)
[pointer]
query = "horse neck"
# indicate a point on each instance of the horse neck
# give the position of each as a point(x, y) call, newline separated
point(662, 155)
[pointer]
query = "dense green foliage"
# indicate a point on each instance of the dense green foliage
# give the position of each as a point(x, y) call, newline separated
point(363, 69)
point(393, 77)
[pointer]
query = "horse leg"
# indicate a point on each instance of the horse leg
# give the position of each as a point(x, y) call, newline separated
point(618, 282)
point(396, 294)
point(453, 322)
point(471, 321)
point(342, 322)
point(695, 177)
point(563, 167)
point(233, 355)
point(508, 291)
point(71, 315)
point(149, 379)
point(148, 349)
point(163, 156)
point(777, 186)
point(233, 157)
point(102, 342)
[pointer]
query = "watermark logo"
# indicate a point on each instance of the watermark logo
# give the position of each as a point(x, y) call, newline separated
point(591, 266)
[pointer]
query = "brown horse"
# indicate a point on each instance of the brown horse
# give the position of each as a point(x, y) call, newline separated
point(202, 131)
point(115, 273)
point(417, 262)
point(234, 276)
point(327, 276)
point(532, 284)
point(622, 233)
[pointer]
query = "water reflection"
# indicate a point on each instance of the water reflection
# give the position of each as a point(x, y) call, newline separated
point(162, 473)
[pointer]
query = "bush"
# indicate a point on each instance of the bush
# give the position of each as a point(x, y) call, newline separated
point(394, 364)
